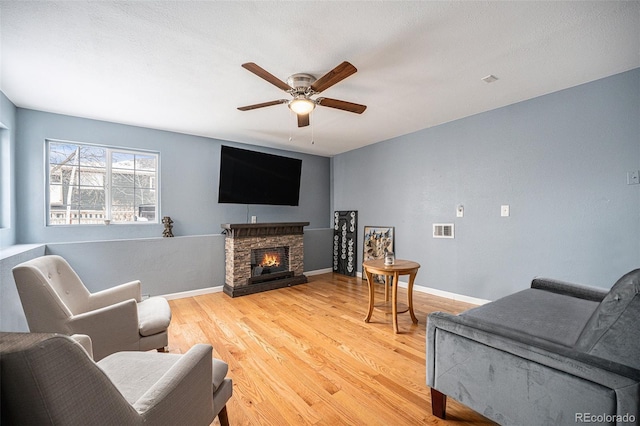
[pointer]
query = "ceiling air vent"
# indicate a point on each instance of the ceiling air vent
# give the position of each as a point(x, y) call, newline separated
point(490, 78)
point(443, 230)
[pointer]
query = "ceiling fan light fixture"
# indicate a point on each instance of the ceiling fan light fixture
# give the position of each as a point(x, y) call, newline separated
point(302, 87)
point(302, 105)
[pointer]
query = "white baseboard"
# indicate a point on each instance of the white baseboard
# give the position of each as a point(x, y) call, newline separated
point(319, 271)
point(442, 293)
point(420, 288)
point(447, 294)
point(192, 293)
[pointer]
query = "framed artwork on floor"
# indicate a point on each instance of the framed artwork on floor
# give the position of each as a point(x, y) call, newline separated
point(378, 240)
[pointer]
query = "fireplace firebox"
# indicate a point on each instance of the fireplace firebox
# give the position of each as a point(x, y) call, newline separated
point(269, 263)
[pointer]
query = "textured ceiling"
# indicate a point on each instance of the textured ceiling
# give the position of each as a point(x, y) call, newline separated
point(177, 65)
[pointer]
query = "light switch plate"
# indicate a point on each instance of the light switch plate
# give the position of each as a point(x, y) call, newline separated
point(504, 210)
point(633, 178)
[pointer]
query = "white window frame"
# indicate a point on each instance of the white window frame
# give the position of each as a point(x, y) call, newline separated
point(109, 217)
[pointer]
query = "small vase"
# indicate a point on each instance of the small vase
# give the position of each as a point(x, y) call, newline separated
point(389, 258)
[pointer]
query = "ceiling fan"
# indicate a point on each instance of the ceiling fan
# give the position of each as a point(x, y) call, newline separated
point(302, 87)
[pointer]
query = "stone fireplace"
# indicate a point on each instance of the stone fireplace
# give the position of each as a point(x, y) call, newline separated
point(263, 256)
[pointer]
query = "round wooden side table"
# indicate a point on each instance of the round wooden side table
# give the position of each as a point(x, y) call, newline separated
point(393, 272)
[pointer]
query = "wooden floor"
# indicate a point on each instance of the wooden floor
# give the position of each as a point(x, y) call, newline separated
point(303, 355)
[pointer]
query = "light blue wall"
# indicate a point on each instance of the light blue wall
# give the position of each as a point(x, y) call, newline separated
point(105, 256)
point(560, 161)
point(7, 166)
point(189, 181)
point(167, 265)
point(163, 265)
point(11, 314)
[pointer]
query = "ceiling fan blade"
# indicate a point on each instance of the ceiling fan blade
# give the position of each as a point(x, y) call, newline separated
point(303, 120)
point(266, 75)
point(343, 105)
point(262, 105)
point(334, 76)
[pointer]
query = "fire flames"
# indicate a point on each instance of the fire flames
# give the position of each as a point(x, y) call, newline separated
point(270, 259)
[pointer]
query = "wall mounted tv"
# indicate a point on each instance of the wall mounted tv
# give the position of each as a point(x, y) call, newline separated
point(250, 177)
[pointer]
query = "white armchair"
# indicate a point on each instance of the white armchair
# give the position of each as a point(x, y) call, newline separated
point(55, 300)
point(50, 379)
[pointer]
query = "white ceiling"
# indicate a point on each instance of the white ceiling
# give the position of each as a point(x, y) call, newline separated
point(177, 65)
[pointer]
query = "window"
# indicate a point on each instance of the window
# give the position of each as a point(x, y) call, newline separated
point(91, 184)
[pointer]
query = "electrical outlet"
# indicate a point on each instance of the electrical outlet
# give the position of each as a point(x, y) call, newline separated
point(504, 210)
point(633, 178)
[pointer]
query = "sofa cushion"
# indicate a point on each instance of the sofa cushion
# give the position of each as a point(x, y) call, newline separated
point(569, 289)
point(611, 332)
point(154, 316)
point(550, 316)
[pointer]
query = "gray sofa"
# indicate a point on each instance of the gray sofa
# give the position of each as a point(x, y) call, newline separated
point(553, 354)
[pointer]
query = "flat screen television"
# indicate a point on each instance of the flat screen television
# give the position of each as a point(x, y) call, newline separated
point(250, 177)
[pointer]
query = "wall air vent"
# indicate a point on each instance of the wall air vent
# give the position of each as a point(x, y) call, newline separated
point(443, 230)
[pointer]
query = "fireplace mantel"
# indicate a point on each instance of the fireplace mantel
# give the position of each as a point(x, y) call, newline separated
point(238, 230)
point(242, 238)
